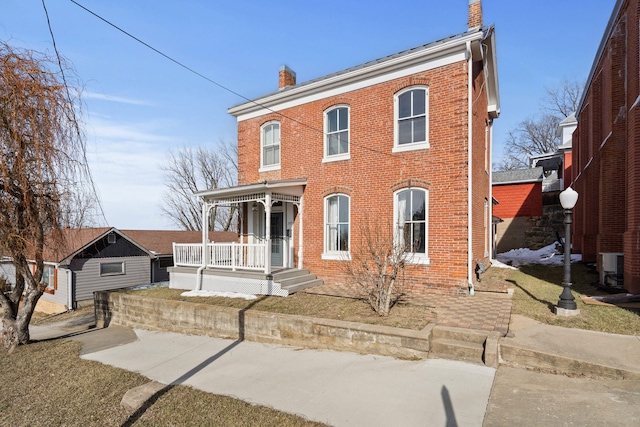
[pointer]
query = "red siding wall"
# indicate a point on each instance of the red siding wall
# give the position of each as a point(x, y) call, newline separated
point(517, 200)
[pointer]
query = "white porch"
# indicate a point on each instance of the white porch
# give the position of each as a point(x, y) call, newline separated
point(268, 212)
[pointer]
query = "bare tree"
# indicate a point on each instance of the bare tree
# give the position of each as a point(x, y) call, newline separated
point(375, 265)
point(531, 137)
point(190, 170)
point(43, 170)
point(537, 135)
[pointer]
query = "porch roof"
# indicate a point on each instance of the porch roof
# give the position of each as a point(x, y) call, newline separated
point(290, 187)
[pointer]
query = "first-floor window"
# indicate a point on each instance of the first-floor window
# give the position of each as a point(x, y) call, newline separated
point(337, 223)
point(49, 277)
point(411, 220)
point(111, 268)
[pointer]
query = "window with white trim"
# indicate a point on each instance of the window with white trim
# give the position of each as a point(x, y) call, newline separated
point(49, 278)
point(336, 234)
point(111, 268)
point(270, 145)
point(336, 138)
point(411, 219)
point(411, 122)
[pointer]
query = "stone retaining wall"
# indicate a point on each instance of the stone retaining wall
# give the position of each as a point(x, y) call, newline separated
point(252, 325)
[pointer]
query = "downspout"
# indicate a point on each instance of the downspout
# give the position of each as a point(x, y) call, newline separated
point(205, 228)
point(470, 171)
point(69, 289)
point(490, 219)
point(300, 236)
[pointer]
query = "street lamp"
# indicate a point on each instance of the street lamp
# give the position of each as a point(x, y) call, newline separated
point(566, 304)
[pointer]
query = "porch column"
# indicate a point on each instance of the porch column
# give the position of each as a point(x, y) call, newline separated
point(267, 232)
point(205, 233)
point(300, 239)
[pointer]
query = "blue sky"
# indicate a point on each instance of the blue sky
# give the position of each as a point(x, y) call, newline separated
point(139, 105)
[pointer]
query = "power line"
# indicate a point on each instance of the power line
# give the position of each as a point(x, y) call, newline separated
point(175, 61)
point(74, 119)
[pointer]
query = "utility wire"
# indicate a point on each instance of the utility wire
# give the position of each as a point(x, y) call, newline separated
point(374, 150)
point(74, 119)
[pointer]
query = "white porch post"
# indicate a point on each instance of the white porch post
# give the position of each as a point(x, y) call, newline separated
point(205, 240)
point(267, 232)
point(300, 239)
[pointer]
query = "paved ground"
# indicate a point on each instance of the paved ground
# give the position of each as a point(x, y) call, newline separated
point(351, 389)
point(524, 398)
point(487, 310)
point(341, 389)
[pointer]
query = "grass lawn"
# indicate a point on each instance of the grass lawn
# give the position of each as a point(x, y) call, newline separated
point(537, 290)
point(312, 305)
point(47, 384)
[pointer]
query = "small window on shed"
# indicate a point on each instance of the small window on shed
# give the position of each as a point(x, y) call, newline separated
point(111, 268)
point(111, 238)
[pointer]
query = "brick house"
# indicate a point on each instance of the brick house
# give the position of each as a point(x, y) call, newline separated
point(606, 154)
point(402, 144)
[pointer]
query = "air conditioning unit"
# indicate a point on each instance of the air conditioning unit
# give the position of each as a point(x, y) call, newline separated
point(612, 269)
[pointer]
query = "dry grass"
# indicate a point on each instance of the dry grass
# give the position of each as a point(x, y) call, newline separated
point(304, 304)
point(537, 290)
point(47, 384)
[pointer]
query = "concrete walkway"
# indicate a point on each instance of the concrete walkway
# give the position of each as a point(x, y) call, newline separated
point(350, 389)
point(341, 389)
point(570, 351)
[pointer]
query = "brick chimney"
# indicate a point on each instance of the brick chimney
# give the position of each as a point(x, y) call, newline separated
point(475, 14)
point(286, 77)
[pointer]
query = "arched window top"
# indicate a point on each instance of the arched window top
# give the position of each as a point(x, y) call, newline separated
point(270, 145)
point(337, 224)
point(336, 131)
point(411, 218)
point(411, 109)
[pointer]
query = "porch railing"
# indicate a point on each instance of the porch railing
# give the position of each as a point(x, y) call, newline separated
point(247, 256)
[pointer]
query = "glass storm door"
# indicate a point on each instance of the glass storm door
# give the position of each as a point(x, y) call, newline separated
point(277, 239)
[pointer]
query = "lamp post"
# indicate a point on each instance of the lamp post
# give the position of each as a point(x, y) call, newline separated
point(566, 304)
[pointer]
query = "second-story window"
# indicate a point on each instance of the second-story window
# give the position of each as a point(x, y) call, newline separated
point(337, 133)
point(270, 143)
point(412, 119)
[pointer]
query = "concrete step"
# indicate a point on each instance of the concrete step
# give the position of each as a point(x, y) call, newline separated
point(463, 351)
point(300, 286)
point(459, 334)
point(289, 281)
point(279, 276)
point(467, 345)
point(544, 360)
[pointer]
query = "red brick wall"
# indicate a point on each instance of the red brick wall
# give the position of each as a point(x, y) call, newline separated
point(516, 200)
point(373, 173)
point(606, 166)
point(481, 168)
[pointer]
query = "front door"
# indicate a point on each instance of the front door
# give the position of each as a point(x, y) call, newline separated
point(277, 239)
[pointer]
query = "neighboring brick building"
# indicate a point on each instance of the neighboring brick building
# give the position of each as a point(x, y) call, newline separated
point(402, 143)
point(606, 153)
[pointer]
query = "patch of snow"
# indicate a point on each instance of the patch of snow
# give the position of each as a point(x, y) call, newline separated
point(496, 263)
point(218, 294)
point(545, 256)
point(149, 285)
